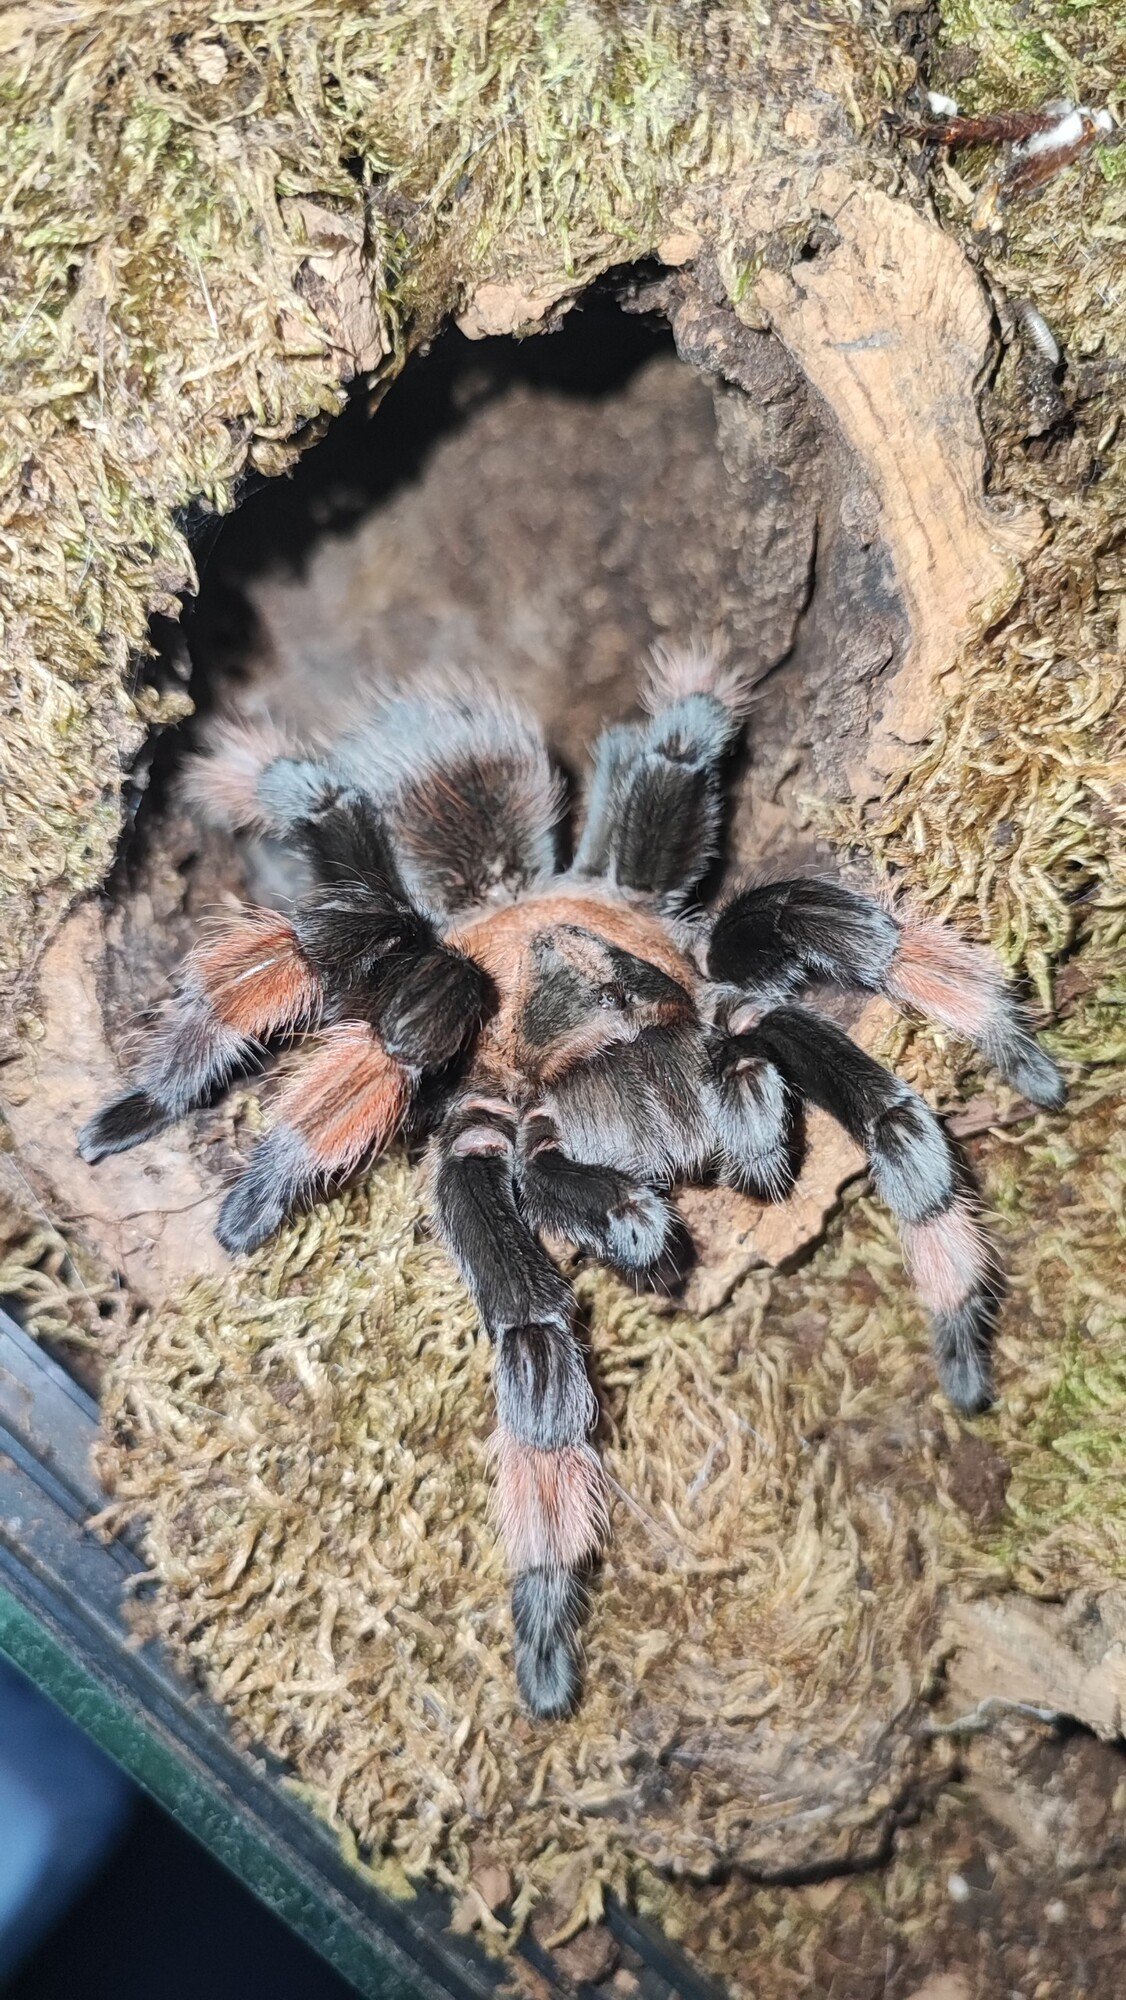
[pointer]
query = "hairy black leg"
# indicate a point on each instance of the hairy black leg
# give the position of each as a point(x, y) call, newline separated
point(399, 1002)
point(249, 983)
point(653, 813)
point(914, 1169)
point(126, 1121)
point(549, 1484)
point(770, 941)
point(463, 775)
point(279, 1179)
point(655, 802)
point(510, 1275)
point(458, 772)
point(911, 1161)
point(358, 951)
point(608, 1214)
point(547, 1601)
point(346, 838)
point(752, 1117)
point(379, 956)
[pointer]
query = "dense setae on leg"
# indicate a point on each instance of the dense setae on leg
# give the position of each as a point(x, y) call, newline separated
point(605, 1213)
point(655, 801)
point(358, 952)
point(251, 776)
point(962, 986)
point(549, 1485)
point(914, 1170)
point(551, 1503)
point(911, 1161)
point(463, 775)
point(380, 957)
point(458, 773)
point(751, 1117)
point(952, 1264)
point(252, 981)
point(472, 1165)
point(639, 1107)
point(771, 940)
point(344, 1102)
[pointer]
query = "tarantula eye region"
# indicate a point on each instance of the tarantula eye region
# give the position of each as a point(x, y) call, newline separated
point(612, 997)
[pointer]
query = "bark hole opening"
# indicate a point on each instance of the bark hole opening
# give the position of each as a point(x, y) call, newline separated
point(542, 510)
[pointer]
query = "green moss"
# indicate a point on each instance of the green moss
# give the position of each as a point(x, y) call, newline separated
point(1048, 48)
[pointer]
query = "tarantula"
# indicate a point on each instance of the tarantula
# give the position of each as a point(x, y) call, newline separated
point(574, 1043)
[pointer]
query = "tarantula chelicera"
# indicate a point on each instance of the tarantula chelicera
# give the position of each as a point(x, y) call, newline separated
point(574, 1044)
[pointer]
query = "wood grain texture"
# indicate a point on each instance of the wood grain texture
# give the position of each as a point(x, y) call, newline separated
point(891, 325)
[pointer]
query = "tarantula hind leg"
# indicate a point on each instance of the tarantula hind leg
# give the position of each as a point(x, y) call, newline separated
point(608, 1215)
point(343, 1103)
point(769, 941)
point(550, 1492)
point(250, 982)
point(914, 1169)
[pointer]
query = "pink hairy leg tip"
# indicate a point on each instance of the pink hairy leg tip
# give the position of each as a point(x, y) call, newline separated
point(947, 979)
point(551, 1505)
point(948, 1257)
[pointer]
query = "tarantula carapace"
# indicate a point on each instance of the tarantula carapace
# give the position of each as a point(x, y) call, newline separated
point(574, 1044)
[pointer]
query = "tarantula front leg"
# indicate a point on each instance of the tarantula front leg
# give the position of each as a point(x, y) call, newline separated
point(607, 1214)
point(655, 800)
point(914, 1169)
point(252, 981)
point(549, 1484)
point(770, 941)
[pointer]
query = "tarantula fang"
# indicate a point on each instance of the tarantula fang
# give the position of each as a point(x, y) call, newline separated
point(574, 1044)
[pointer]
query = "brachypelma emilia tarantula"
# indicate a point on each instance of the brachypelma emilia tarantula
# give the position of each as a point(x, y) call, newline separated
point(574, 1043)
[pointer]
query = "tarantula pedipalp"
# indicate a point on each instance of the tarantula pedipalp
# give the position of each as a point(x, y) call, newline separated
point(573, 1044)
